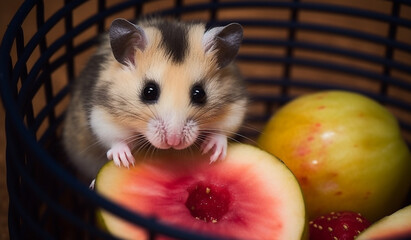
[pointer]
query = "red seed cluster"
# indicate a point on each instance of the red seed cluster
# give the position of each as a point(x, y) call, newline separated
point(208, 203)
point(338, 226)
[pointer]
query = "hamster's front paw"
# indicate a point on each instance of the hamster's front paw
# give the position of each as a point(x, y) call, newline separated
point(121, 155)
point(217, 142)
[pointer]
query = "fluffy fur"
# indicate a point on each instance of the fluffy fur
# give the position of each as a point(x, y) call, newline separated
point(107, 113)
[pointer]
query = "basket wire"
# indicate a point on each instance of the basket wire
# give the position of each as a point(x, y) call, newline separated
point(48, 202)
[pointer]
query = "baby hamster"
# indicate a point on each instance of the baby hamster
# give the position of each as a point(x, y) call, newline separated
point(157, 84)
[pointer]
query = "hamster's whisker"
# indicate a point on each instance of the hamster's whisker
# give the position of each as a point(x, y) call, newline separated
point(214, 110)
point(128, 101)
point(193, 148)
point(198, 114)
point(136, 113)
point(94, 144)
point(144, 144)
point(211, 131)
point(250, 127)
point(139, 148)
point(133, 138)
point(151, 150)
point(153, 112)
point(211, 110)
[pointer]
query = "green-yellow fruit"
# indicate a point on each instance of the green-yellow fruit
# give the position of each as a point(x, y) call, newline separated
point(346, 151)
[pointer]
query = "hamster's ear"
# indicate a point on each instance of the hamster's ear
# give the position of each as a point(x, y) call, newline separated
point(225, 40)
point(125, 37)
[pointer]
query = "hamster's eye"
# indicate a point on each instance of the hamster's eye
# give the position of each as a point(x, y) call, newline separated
point(150, 93)
point(198, 95)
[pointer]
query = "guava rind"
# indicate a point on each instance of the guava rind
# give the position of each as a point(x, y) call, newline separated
point(396, 225)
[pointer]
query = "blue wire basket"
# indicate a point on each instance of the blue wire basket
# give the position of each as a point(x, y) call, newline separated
point(290, 48)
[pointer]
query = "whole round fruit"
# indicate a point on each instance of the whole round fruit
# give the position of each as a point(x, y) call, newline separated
point(346, 151)
point(248, 195)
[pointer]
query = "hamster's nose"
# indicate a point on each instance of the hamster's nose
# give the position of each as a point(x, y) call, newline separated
point(173, 139)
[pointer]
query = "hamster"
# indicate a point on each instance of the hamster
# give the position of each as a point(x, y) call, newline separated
point(154, 85)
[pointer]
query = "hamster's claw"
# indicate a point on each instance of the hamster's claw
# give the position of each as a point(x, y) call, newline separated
point(91, 186)
point(121, 155)
point(218, 143)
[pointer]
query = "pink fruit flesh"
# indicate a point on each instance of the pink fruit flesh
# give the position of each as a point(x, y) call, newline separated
point(208, 202)
point(206, 198)
point(249, 195)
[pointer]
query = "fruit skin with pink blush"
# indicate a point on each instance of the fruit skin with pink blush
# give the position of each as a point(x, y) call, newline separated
point(346, 151)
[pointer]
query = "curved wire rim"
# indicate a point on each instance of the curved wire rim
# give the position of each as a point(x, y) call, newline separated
point(15, 119)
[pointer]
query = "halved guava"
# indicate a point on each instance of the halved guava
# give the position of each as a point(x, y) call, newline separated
point(394, 226)
point(249, 195)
